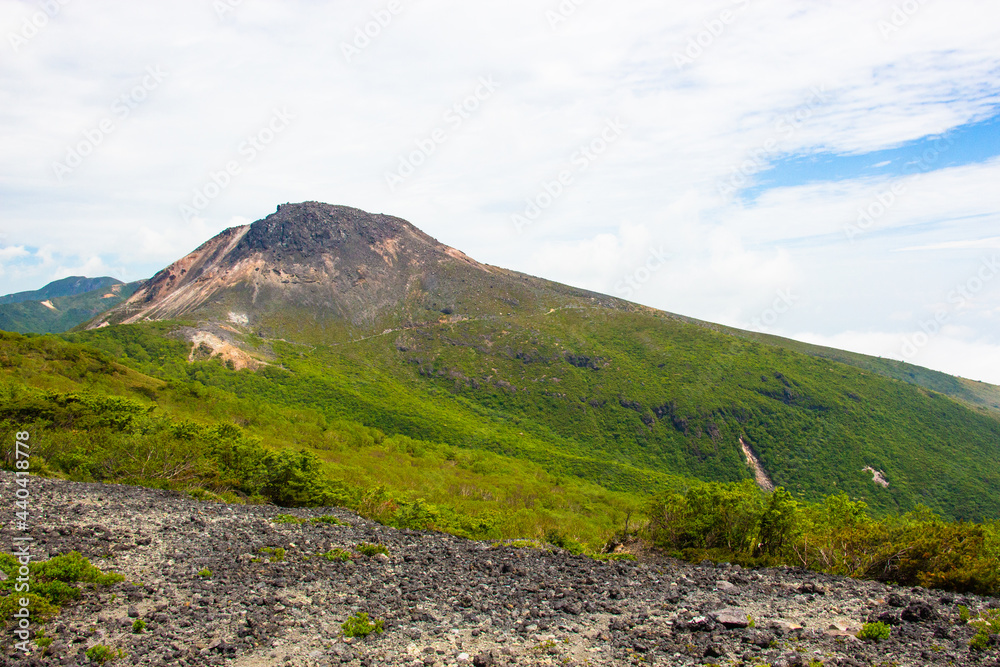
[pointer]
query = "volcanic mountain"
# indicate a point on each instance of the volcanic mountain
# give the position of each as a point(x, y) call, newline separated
point(319, 270)
point(365, 318)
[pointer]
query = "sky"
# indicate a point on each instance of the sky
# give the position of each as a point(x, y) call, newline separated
point(826, 171)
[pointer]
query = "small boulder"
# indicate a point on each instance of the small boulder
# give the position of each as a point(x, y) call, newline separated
point(918, 612)
point(483, 660)
point(731, 618)
point(897, 600)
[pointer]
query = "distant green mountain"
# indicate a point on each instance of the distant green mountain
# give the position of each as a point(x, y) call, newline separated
point(61, 305)
point(70, 286)
point(363, 317)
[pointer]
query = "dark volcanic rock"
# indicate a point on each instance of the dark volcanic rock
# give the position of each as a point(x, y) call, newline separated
point(443, 600)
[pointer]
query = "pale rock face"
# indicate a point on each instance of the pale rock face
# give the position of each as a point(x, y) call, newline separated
point(239, 318)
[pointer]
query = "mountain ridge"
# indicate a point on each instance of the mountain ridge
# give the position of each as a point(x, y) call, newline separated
point(364, 317)
point(69, 286)
point(61, 305)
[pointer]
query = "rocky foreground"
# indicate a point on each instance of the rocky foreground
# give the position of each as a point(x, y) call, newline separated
point(443, 600)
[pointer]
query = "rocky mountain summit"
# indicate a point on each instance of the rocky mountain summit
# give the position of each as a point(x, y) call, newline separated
point(242, 585)
point(332, 265)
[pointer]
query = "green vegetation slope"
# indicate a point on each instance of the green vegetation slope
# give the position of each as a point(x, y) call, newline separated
point(61, 305)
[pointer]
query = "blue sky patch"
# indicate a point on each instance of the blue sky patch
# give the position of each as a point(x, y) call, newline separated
point(966, 144)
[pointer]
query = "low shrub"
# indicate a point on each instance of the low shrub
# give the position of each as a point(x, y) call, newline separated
point(328, 519)
point(614, 557)
point(339, 555)
point(102, 654)
point(53, 583)
point(988, 623)
point(274, 554)
point(370, 550)
point(359, 625)
point(877, 631)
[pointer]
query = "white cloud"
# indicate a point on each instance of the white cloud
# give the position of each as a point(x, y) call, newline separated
point(93, 267)
point(993, 242)
point(810, 77)
point(13, 252)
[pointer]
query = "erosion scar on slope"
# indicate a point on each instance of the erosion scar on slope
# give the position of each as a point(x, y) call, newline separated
point(763, 481)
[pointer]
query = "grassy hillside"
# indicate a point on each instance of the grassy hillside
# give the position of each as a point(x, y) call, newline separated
point(980, 395)
point(92, 418)
point(626, 400)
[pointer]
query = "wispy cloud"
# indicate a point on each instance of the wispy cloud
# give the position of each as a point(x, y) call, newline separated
point(747, 97)
point(993, 242)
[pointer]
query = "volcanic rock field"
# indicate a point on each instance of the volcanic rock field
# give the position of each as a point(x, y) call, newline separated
point(213, 588)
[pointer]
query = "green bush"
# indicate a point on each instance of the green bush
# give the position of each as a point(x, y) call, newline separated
point(418, 515)
point(40, 608)
point(736, 522)
point(369, 550)
point(42, 641)
point(558, 539)
point(340, 555)
point(138, 626)
point(877, 631)
point(102, 654)
point(205, 573)
point(358, 625)
point(287, 518)
point(275, 554)
point(53, 582)
point(987, 623)
point(980, 641)
point(328, 519)
point(963, 614)
point(614, 557)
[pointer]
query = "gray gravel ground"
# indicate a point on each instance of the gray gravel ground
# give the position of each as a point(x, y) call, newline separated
point(443, 600)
